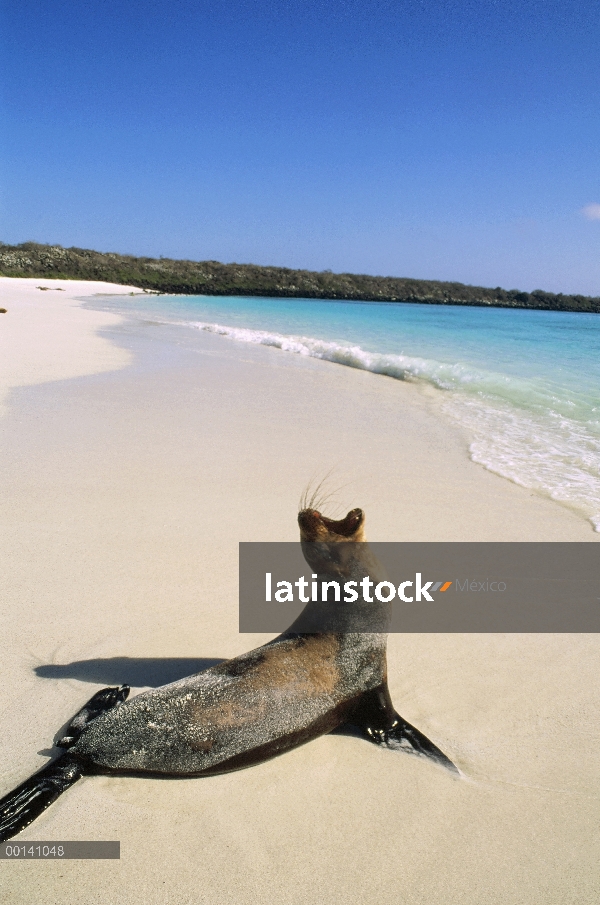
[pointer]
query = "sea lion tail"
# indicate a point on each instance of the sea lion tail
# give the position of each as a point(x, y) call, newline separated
point(21, 806)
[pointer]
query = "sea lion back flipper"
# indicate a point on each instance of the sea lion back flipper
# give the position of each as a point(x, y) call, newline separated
point(21, 806)
point(379, 722)
point(103, 700)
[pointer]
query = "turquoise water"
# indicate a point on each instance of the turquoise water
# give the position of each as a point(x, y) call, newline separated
point(526, 384)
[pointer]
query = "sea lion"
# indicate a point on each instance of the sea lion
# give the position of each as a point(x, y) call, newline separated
point(242, 711)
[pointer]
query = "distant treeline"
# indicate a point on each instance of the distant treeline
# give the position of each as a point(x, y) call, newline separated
point(212, 278)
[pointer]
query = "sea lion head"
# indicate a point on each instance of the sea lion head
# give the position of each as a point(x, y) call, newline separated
point(315, 528)
point(334, 548)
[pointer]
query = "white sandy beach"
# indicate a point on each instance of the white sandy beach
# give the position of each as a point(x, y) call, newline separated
point(134, 460)
point(46, 336)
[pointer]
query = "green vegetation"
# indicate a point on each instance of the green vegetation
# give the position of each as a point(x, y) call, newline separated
point(212, 278)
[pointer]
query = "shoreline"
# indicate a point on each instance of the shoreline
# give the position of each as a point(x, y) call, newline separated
point(449, 407)
point(61, 335)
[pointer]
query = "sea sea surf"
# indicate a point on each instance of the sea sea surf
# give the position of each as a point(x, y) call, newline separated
point(524, 384)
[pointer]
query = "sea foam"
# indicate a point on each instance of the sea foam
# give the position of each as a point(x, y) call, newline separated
point(400, 367)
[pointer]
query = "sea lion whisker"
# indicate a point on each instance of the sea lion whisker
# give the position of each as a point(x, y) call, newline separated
point(321, 496)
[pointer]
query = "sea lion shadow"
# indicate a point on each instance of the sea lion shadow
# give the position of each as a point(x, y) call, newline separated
point(136, 671)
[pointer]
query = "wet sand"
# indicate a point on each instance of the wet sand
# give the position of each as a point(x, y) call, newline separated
point(126, 492)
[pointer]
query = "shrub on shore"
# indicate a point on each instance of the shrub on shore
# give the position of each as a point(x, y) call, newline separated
point(31, 259)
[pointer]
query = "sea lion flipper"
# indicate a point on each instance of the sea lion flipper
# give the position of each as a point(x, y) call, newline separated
point(375, 716)
point(401, 736)
point(103, 700)
point(21, 806)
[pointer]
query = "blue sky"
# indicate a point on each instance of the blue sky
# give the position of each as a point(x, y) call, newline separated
point(434, 139)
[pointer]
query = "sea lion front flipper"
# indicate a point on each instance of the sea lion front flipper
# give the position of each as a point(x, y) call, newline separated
point(401, 736)
point(379, 722)
point(103, 700)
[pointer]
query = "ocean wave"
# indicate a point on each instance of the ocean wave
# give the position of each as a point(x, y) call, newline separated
point(400, 367)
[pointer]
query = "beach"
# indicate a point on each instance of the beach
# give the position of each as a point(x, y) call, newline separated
point(135, 458)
